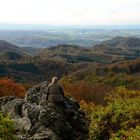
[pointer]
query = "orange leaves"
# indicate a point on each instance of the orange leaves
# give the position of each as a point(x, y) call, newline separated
point(8, 87)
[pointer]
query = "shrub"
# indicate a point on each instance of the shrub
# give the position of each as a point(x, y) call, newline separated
point(115, 79)
point(132, 134)
point(8, 87)
point(88, 108)
point(6, 128)
point(81, 90)
point(120, 119)
point(122, 93)
point(116, 117)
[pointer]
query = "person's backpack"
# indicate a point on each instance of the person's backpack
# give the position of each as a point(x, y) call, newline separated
point(54, 94)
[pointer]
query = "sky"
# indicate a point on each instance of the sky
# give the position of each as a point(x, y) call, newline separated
point(70, 12)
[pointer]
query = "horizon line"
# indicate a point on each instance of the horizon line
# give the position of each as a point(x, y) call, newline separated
point(34, 26)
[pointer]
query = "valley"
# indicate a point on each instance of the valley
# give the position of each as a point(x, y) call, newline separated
point(87, 36)
point(38, 64)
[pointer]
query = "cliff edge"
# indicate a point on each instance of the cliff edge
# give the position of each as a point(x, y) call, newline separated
point(36, 119)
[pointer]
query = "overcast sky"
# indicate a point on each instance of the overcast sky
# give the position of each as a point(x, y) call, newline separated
point(70, 12)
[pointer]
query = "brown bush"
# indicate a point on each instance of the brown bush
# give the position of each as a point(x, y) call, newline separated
point(88, 92)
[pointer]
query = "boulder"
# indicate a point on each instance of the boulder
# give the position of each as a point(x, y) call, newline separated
point(37, 119)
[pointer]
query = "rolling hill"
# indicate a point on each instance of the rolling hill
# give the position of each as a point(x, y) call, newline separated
point(20, 63)
point(9, 51)
point(73, 54)
point(125, 73)
point(33, 71)
point(120, 48)
point(123, 42)
point(110, 51)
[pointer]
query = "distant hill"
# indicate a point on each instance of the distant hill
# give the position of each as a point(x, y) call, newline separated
point(73, 54)
point(128, 42)
point(6, 46)
point(51, 36)
point(62, 59)
point(31, 50)
point(63, 51)
point(120, 48)
point(9, 51)
point(110, 51)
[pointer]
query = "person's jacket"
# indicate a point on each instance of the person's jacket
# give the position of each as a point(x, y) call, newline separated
point(55, 93)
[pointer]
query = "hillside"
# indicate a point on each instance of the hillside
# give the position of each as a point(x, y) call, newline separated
point(129, 67)
point(120, 48)
point(33, 70)
point(9, 51)
point(74, 54)
point(31, 50)
point(124, 42)
point(110, 51)
point(61, 60)
point(126, 73)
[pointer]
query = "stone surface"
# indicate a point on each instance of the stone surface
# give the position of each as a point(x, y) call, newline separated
point(36, 119)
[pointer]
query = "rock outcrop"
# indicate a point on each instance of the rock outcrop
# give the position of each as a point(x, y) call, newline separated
point(36, 119)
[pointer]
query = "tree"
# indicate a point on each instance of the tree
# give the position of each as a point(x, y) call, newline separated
point(9, 87)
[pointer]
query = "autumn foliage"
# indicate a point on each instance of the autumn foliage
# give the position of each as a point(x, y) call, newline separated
point(119, 119)
point(81, 90)
point(9, 87)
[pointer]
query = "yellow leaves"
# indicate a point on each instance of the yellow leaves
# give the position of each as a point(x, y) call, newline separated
point(87, 107)
point(6, 128)
point(122, 93)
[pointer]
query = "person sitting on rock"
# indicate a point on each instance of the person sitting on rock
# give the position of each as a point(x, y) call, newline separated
point(55, 93)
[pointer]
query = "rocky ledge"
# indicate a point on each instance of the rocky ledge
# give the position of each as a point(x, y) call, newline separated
point(36, 119)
